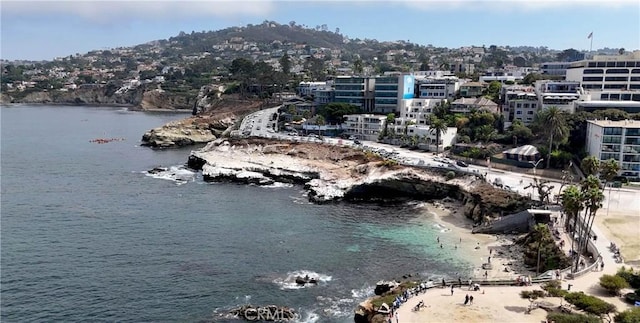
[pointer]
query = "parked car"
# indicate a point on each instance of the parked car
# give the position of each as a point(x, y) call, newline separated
point(357, 142)
point(352, 138)
point(461, 163)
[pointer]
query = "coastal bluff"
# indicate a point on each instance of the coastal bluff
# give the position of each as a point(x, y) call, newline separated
point(333, 173)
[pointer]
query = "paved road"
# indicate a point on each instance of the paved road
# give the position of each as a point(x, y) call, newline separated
point(263, 123)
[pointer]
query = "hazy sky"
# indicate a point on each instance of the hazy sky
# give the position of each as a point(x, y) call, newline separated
point(47, 29)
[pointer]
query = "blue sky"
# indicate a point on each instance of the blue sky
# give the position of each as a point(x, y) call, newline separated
point(46, 29)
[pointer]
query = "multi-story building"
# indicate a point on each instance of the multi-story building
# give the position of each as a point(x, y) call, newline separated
point(561, 94)
point(442, 88)
point(618, 140)
point(466, 105)
point(323, 96)
point(472, 89)
point(364, 126)
point(390, 90)
point(518, 103)
point(417, 110)
point(308, 88)
point(595, 105)
point(607, 72)
point(355, 90)
point(558, 69)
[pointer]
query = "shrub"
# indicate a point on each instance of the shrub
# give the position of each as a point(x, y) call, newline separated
point(589, 304)
point(551, 284)
point(572, 318)
point(556, 292)
point(450, 175)
point(631, 277)
point(613, 284)
point(628, 316)
point(533, 294)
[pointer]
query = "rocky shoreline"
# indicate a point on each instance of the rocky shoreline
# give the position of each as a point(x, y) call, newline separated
point(334, 173)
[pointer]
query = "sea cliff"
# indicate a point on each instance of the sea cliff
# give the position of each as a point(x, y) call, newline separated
point(334, 173)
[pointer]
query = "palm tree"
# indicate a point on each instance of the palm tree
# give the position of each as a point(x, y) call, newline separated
point(555, 125)
point(437, 126)
point(592, 198)
point(608, 170)
point(571, 203)
point(590, 165)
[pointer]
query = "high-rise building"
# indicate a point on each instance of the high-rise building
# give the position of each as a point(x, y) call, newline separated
point(618, 140)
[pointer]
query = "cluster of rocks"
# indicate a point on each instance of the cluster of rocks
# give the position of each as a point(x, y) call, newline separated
point(271, 313)
point(349, 180)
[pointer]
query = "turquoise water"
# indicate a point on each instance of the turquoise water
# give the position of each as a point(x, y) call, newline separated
point(87, 235)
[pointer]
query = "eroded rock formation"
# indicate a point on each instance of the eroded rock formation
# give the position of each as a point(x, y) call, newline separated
point(332, 173)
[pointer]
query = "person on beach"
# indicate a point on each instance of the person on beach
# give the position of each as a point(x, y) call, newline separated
point(486, 274)
point(602, 266)
point(441, 246)
point(438, 239)
point(489, 259)
point(470, 299)
point(490, 251)
point(459, 282)
point(466, 299)
point(443, 283)
point(451, 289)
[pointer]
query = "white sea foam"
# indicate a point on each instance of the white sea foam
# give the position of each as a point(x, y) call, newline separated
point(441, 227)
point(178, 174)
point(289, 282)
point(278, 185)
point(308, 317)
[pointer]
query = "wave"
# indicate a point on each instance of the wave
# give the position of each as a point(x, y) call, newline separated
point(278, 185)
point(289, 282)
point(441, 228)
point(178, 174)
point(340, 307)
point(308, 317)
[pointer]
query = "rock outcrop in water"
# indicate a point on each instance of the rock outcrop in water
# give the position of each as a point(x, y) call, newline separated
point(332, 173)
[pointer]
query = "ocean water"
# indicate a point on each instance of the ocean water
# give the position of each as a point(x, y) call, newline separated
point(87, 235)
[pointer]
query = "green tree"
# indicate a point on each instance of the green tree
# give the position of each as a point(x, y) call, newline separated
point(493, 90)
point(613, 283)
point(285, 64)
point(572, 203)
point(438, 127)
point(590, 165)
point(555, 125)
point(631, 315)
point(334, 112)
point(608, 170)
point(391, 119)
point(357, 66)
point(520, 131)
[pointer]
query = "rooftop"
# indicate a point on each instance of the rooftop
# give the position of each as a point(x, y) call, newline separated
point(621, 123)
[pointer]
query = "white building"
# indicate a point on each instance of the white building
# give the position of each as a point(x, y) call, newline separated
point(442, 88)
point(308, 88)
point(519, 103)
point(619, 140)
point(607, 72)
point(417, 110)
point(561, 94)
point(364, 126)
point(428, 136)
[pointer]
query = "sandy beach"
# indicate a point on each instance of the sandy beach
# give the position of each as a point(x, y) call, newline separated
point(499, 303)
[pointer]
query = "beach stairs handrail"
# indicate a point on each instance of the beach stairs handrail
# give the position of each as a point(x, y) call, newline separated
point(594, 250)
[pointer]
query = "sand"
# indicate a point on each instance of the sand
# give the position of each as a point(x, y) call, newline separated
point(503, 303)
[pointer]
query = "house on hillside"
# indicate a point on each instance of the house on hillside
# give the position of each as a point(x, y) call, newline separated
point(466, 105)
point(472, 89)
